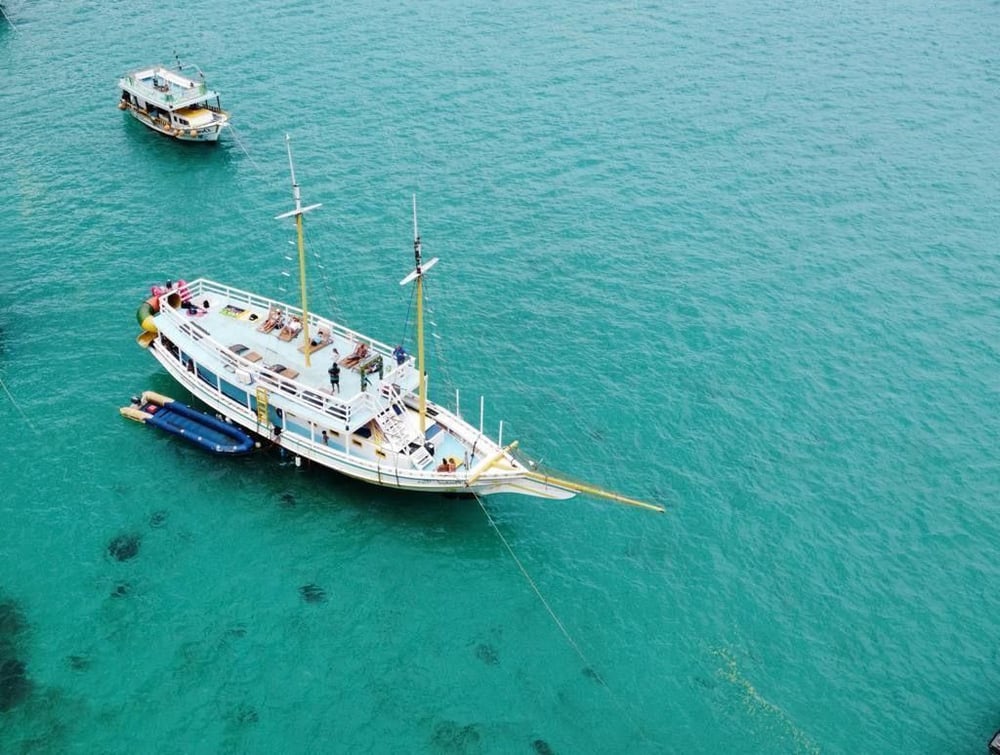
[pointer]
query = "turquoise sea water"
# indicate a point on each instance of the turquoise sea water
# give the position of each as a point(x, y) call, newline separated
point(736, 258)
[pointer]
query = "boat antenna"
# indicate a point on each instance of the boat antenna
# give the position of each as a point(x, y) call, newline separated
point(418, 276)
point(298, 212)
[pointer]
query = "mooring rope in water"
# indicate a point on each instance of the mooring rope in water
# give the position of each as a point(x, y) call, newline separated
point(562, 627)
point(246, 152)
point(3, 11)
point(17, 406)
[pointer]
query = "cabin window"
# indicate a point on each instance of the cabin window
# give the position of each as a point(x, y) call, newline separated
point(298, 429)
point(380, 454)
point(233, 392)
point(208, 376)
point(357, 443)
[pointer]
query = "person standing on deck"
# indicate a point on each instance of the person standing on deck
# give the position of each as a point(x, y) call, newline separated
point(334, 373)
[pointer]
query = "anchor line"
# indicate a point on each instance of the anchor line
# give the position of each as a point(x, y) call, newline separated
point(9, 21)
point(232, 130)
point(17, 406)
point(562, 627)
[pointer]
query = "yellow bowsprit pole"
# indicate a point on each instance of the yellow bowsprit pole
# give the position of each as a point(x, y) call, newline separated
point(488, 462)
point(595, 491)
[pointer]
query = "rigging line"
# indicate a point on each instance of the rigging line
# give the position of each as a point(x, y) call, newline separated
point(17, 406)
point(445, 367)
point(562, 628)
point(328, 290)
point(409, 310)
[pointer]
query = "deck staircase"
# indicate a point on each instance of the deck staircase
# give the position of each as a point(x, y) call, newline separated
point(399, 434)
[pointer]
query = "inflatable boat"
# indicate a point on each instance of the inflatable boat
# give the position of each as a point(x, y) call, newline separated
point(195, 427)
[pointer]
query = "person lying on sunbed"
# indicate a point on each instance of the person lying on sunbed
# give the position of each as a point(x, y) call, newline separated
point(291, 329)
point(359, 353)
point(321, 338)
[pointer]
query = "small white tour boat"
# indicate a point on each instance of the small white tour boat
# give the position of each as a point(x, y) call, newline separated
point(330, 394)
point(174, 103)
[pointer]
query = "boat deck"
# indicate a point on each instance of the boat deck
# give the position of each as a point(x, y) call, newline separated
point(233, 326)
point(237, 327)
point(167, 87)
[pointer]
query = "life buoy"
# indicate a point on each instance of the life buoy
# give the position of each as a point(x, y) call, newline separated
point(146, 314)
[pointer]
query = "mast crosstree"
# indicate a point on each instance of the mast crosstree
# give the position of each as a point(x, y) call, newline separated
point(298, 212)
point(418, 275)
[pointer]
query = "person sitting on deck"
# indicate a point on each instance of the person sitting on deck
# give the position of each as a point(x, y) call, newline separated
point(291, 329)
point(447, 465)
point(274, 319)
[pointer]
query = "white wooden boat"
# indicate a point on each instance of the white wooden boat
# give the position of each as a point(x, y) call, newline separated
point(227, 346)
point(171, 101)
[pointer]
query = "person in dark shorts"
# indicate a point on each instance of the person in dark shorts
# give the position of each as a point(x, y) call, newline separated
point(334, 373)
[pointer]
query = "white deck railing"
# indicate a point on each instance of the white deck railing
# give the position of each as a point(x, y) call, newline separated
point(185, 96)
point(362, 405)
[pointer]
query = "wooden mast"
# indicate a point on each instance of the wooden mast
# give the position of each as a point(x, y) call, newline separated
point(298, 212)
point(418, 275)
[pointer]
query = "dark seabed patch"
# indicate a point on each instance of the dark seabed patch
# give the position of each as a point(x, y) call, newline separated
point(12, 621)
point(487, 654)
point(246, 714)
point(14, 683)
point(450, 737)
point(125, 546)
point(312, 593)
point(158, 518)
point(78, 662)
point(121, 590)
point(593, 675)
point(287, 500)
point(542, 747)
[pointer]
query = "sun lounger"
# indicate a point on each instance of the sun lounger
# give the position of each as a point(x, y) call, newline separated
point(352, 360)
point(325, 339)
point(280, 369)
point(272, 321)
point(244, 351)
